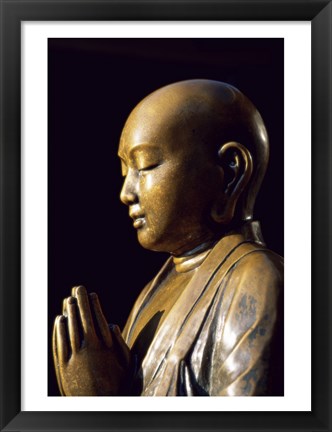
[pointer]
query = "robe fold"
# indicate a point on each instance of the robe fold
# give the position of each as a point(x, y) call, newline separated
point(224, 333)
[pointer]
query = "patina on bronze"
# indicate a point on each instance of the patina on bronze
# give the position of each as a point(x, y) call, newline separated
point(193, 155)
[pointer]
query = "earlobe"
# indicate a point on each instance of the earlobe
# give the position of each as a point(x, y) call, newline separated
point(237, 165)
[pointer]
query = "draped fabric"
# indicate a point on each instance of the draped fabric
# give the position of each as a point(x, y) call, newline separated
point(223, 336)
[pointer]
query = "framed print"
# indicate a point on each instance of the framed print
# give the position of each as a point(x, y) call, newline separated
point(75, 170)
point(67, 88)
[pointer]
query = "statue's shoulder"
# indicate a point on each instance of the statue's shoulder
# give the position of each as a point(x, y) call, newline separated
point(259, 276)
point(254, 277)
point(261, 264)
point(247, 261)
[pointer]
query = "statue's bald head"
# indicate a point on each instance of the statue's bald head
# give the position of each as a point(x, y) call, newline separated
point(207, 114)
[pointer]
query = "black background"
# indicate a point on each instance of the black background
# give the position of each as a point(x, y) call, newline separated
point(93, 85)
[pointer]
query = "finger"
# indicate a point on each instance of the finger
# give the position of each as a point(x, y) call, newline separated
point(61, 337)
point(85, 313)
point(64, 307)
point(73, 291)
point(56, 360)
point(101, 321)
point(123, 347)
point(73, 327)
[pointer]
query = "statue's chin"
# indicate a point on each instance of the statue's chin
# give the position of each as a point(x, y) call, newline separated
point(147, 241)
point(173, 244)
point(155, 247)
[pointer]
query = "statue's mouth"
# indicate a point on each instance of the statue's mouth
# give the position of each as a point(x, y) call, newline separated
point(136, 214)
point(139, 222)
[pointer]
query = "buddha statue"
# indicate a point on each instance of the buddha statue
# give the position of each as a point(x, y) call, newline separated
point(193, 156)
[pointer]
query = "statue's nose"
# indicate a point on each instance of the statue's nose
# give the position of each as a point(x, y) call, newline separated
point(129, 192)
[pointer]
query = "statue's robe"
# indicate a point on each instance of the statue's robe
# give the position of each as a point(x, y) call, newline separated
point(223, 333)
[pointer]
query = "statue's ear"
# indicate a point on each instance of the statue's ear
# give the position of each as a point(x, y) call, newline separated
point(236, 164)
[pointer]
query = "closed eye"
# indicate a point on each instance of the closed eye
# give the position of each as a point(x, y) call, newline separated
point(150, 167)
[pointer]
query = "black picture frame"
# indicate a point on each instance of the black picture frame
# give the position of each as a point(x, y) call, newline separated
point(12, 14)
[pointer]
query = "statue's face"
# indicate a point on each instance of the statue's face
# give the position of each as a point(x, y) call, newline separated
point(185, 164)
point(170, 182)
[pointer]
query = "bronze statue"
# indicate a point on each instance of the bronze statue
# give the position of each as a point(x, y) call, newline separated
point(193, 155)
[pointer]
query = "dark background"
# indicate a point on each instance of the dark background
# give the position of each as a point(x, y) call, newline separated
point(93, 84)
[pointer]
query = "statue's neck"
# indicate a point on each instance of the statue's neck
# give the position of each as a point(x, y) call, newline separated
point(194, 257)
